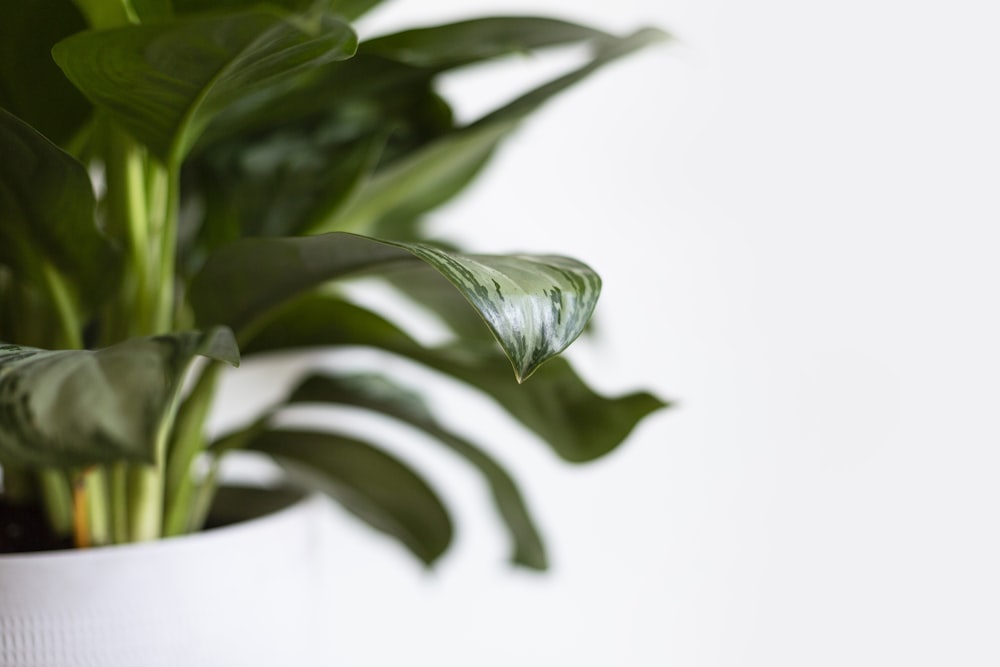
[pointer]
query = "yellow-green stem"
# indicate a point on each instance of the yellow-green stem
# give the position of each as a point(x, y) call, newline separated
point(187, 444)
point(58, 500)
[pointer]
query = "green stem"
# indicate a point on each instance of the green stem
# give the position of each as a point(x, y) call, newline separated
point(167, 188)
point(98, 506)
point(188, 443)
point(128, 210)
point(118, 498)
point(66, 310)
point(58, 500)
point(204, 495)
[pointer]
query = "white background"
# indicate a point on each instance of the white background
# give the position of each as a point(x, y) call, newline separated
point(794, 208)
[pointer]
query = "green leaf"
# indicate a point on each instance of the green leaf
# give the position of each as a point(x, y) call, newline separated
point(79, 407)
point(379, 394)
point(348, 9)
point(47, 216)
point(579, 424)
point(376, 487)
point(31, 86)
point(535, 305)
point(466, 42)
point(165, 81)
point(432, 174)
point(420, 181)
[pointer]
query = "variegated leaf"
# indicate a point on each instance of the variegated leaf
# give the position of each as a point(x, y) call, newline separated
point(78, 407)
point(535, 305)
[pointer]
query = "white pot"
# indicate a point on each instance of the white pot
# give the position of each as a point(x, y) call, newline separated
point(247, 594)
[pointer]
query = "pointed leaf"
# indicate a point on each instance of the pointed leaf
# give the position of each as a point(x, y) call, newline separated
point(579, 424)
point(466, 42)
point(79, 407)
point(535, 305)
point(376, 487)
point(165, 81)
point(378, 393)
point(434, 173)
point(47, 215)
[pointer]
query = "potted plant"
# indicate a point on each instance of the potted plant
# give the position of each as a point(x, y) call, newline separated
point(185, 183)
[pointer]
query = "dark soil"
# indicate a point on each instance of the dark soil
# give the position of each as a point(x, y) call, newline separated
point(23, 529)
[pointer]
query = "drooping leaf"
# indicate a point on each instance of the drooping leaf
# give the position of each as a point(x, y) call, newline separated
point(379, 394)
point(375, 486)
point(47, 216)
point(165, 81)
point(78, 407)
point(579, 424)
point(31, 86)
point(535, 305)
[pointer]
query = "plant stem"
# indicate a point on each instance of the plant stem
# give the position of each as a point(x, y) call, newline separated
point(187, 444)
point(58, 500)
point(166, 185)
point(70, 327)
point(118, 499)
point(127, 206)
point(95, 484)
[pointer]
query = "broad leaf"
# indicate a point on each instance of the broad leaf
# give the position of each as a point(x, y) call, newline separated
point(47, 216)
point(165, 81)
point(466, 42)
point(579, 424)
point(375, 486)
point(535, 305)
point(436, 172)
point(79, 407)
point(31, 86)
point(379, 394)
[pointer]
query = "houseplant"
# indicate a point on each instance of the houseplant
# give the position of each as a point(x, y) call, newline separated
point(183, 183)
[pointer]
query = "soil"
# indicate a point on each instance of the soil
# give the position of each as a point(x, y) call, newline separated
point(23, 529)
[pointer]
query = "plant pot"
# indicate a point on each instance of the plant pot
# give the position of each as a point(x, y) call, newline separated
point(249, 593)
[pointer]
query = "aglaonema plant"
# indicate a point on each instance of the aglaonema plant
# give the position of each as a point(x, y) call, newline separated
point(185, 179)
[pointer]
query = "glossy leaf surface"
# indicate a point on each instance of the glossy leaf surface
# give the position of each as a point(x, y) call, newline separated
point(379, 394)
point(466, 42)
point(535, 306)
point(375, 486)
point(579, 424)
point(79, 407)
point(47, 209)
point(165, 81)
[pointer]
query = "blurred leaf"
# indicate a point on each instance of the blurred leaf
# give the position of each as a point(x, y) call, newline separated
point(379, 394)
point(32, 87)
point(434, 173)
point(579, 424)
point(535, 305)
point(79, 407)
point(467, 42)
point(165, 81)
point(378, 488)
point(47, 207)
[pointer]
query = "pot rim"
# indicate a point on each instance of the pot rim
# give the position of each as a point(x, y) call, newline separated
point(285, 504)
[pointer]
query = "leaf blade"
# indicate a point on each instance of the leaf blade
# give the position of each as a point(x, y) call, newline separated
point(79, 407)
point(379, 394)
point(579, 424)
point(535, 306)
point(374, 486)
point(165, 81)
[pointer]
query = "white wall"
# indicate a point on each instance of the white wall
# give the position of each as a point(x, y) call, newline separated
point(795, 210)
